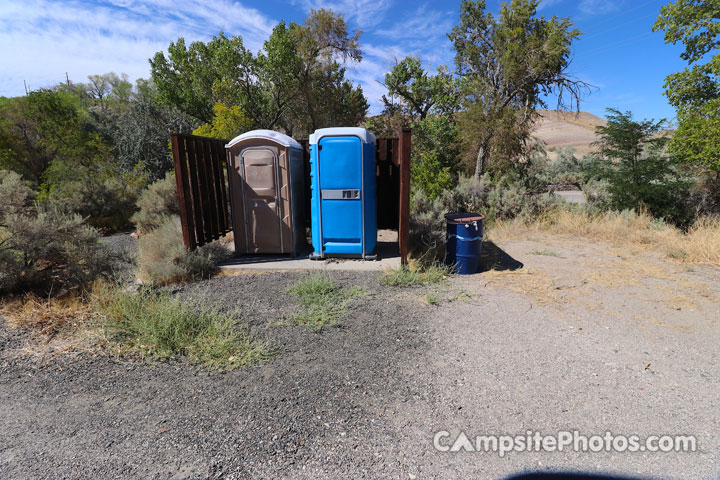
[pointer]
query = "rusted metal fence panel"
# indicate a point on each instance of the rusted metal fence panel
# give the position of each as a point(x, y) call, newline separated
point(200, 164)
point(205, 210)
point(403, 156)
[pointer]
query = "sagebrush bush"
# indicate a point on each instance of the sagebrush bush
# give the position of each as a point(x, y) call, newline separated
point(568, 169)
point(156, 204)
point(503, 198)
point(106, 200)
point(15, 194)
point(164, 259)
point(44, 248)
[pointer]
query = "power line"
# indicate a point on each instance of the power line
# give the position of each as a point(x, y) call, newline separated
point(621, 43)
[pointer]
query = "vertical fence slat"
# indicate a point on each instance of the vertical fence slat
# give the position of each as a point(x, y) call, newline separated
point(183, 191)
point(202, 191)
point(212, 196)
point(220, 162)
point(196, 197)
point(403, 155)
point(305, 144)
point(205, 189)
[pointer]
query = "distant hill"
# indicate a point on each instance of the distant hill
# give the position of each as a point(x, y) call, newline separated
point(561, 129)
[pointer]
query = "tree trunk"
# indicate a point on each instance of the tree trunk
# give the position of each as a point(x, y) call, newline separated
point(480, 160)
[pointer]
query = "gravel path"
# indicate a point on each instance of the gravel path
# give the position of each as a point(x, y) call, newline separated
point(364, 400)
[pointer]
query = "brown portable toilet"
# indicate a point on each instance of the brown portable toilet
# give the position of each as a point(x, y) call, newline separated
point(267, 192)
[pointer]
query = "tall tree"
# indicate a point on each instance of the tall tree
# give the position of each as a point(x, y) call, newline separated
point(326, 97)
point(197, 77)
point(430, 103)
point(695, 92)
point(508, 64)
point(296, 82)
point(420, 92)
point(640, 173)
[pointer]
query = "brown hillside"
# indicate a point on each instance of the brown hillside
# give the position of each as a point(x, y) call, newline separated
point(558, 129)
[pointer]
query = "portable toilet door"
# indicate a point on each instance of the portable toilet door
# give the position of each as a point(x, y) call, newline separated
point(267, 192)
point(344, 200)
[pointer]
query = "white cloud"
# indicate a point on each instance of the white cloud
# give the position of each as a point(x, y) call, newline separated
point(422, 33)
point(365, 13)
point(548, 3)
point(596, 7)
point(41, 40)
point(423, 24)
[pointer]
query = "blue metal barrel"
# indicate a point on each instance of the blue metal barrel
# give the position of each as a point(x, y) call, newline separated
point(464, 241)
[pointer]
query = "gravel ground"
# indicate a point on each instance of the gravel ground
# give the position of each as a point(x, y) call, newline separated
point(365, 399)
point(313, 405)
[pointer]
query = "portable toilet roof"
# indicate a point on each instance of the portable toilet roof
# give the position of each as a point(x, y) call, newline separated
point(362, 133)
point(272, 135)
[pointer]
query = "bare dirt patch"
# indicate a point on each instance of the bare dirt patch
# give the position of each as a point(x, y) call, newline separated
point(569, 333)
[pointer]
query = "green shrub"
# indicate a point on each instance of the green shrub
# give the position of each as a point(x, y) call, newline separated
point(567, 169)
point(640, 173)
point(435, 156)
point(323, 301)
point(158, 327)
point(156, 204)
point(44, 248)
point(15, 194)
point(106, 199)
point(163, 258)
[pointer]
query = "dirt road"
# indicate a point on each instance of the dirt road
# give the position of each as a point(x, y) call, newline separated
point(583, 337)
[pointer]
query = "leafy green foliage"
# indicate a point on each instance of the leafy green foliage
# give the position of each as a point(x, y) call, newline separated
point(692, 22)
point(158, 327)
point(695, 92)
point(420, 92)
point(641, 176)
point(228, 122)
point(195, 78)
point(294, 83)
point(508, 64)
point(428, 104)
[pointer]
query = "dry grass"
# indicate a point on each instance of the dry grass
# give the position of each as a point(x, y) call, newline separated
point(64, 325)
point(701, 244)
point(534, 283)
point(47, 317)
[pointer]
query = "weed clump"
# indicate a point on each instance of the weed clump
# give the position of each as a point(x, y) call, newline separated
point(413, 277)
point(323, 302)
point(157, 327)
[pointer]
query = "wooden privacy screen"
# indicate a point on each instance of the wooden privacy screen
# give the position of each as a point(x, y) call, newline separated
point(200, 165)
point(202, 188)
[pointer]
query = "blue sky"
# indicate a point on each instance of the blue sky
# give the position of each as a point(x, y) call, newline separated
point(41, 40)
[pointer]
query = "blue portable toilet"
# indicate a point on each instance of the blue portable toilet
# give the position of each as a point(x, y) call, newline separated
point(343, 193)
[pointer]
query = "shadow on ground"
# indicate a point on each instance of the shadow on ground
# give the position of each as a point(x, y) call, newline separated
point(495, 258)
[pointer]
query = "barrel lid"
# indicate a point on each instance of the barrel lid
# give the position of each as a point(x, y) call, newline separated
point(464, 217)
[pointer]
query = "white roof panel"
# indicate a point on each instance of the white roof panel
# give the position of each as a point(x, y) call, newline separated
point(272, 135)
point(364, 135)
